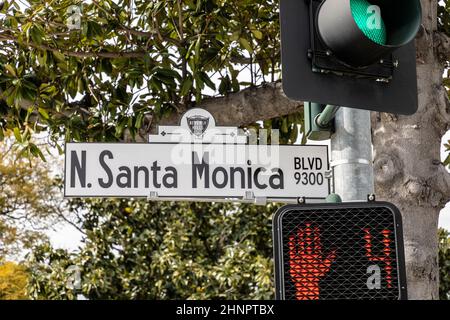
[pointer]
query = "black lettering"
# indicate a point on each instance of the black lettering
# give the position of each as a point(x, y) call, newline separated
point(255, 177)
point(105, 167)
point(312, 178)
point(319, 164)
point(311, 163)
point(136, 176)
point(171, 174)
point(297, 163)
point(249, 177)
point(225, 177)
point(305, 178)
point(277, 176)
point(125, 172)
point(155, 168)
point(201, 168)
point(79, 168)
point(320, 179)
point(233, 170)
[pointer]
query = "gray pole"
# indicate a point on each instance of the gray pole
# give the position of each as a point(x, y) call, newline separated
point(351, 155)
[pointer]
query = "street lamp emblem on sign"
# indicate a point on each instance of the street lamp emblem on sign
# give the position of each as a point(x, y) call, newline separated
point(198, 125)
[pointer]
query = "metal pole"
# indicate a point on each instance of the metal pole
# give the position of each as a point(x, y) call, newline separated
point(351, 154)
point(327, 115)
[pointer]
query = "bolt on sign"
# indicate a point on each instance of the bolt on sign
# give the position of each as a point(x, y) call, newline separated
point(339, 251)
point(197, 160)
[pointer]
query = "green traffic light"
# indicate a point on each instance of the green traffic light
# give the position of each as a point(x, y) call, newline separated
point(369, 20)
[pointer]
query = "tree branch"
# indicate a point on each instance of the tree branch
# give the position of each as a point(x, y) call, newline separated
point(77, 54)
point(245, 107)
point(61, 215)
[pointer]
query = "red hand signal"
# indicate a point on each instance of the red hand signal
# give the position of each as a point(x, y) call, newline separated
point(307, 263)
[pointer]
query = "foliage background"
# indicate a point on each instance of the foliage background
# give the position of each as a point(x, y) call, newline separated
point(444, 264)
point(30, 199)
point(13, 281)
point(141, 250)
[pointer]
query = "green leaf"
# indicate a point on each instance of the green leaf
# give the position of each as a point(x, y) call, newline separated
point(447, 161)
point(36, 34)
point(17, 135)
point(197, 49)
point(244, 42)
point(37, 152)
point(225, 85)
point(43, 113)
point(284, 125)
point(59, 56)
point(11, 70)
point(138, 122)
point(169, 73)
point(60, 150)
point(258, 34)
point(205, 79)
point(106, 66)
point(186, 86)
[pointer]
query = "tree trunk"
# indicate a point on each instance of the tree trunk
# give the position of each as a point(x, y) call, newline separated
point(407, 167)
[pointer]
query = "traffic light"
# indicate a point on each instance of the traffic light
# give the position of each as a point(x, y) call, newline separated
point(339, 251)
point(352, 53)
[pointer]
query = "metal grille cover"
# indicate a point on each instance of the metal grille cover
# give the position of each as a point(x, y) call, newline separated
point(339, 251)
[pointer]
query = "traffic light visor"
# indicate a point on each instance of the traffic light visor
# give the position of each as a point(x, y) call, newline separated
point(360, 32)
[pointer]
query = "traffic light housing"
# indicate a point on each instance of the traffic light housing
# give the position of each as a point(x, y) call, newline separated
point(352, 53)
point(339, 251)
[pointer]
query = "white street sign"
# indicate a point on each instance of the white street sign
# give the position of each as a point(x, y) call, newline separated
point(196, 160)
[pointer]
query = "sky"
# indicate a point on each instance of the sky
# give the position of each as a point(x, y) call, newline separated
point(65, 237)
point(444, 218)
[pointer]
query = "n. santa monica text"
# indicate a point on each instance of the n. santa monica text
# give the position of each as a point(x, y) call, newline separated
point(156, 176)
